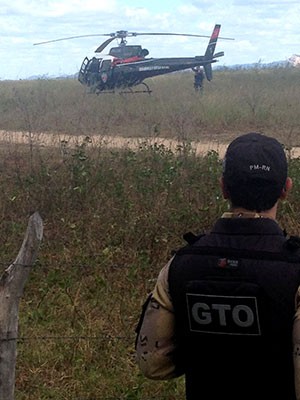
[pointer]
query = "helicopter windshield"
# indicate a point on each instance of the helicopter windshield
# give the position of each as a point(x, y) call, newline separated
point(126, 51)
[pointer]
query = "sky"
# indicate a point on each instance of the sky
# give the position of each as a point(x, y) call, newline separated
point(263, 31)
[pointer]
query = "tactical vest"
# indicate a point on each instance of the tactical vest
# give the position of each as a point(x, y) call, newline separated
point(234, 312)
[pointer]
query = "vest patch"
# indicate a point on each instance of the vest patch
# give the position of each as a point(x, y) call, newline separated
point(228, 263)
point(229, 315)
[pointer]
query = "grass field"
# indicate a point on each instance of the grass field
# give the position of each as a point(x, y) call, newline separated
point(113, 216)
point(233, 102)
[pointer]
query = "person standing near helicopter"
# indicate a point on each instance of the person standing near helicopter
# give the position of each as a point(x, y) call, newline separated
point(198, 78)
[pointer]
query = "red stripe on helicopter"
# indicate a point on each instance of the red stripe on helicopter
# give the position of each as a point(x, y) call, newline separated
point(215, 33)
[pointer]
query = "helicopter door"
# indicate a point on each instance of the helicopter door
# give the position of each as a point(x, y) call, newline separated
point(105, 70)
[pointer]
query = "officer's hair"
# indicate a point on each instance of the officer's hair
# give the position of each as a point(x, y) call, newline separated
point(255, 195)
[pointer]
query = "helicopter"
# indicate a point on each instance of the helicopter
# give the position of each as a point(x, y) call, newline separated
point(127, 66)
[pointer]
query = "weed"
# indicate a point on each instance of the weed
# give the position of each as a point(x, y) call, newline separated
point(113, 216)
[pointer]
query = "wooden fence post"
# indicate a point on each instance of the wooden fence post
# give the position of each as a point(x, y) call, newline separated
point(12, 283)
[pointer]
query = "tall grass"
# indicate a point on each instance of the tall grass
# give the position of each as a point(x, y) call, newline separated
point(233, 102)
point(113, 217)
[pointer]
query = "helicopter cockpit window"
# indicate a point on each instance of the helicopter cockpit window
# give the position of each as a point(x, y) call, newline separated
point(144, 52)
point(126, 51)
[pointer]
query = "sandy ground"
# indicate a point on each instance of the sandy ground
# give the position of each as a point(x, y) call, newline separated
point(58, 140)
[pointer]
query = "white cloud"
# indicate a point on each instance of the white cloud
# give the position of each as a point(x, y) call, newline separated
point(267, 29)
point(55, 8)
point(58, 8)
point(188, 10)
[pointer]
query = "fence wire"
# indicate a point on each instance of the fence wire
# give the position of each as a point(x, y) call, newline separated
point(61, 338)
point(101, 337)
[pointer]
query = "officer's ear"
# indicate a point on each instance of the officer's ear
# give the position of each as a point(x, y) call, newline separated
point(223, 188)
point(287, 187)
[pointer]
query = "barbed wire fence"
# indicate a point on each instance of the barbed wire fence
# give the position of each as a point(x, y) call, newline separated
point(20, 339)
point(8, 338)
point(11, 337)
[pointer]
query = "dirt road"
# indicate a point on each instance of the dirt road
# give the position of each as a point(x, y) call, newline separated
point(57, 140)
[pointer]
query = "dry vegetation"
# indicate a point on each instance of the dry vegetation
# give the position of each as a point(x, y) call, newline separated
point(113, 216)
point(234, 102)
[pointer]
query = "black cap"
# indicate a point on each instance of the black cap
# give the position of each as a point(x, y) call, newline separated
point(254, 156)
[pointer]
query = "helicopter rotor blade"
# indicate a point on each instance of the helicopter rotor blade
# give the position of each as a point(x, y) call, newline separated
point(176, 34)
point(123, 35)
point(73, 37)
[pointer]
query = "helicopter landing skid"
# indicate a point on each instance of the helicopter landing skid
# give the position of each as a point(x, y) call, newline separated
point(128, 91)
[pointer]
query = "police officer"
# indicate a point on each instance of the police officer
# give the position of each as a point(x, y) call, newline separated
point(198, 78)
point(223, 308)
